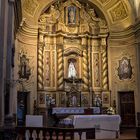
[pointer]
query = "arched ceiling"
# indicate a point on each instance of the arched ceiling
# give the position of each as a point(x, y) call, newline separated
point(118, 13)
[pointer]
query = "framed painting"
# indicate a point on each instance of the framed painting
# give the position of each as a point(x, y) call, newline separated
point(106, 99)
point(84, 100)
point(62, 99)
point(51, 100)
point(72, 15)
point(124, 69)
point(41, 98)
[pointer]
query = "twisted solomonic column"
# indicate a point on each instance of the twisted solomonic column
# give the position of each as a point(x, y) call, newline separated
point(104, 65)
point(60, 69)
point(85, 69)
point(89, 65)
point(40, 66)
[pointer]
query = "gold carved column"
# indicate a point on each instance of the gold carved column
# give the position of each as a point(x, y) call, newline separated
point(85, 64)
point(96, 77)
point(60, 68)
point(40, 63)
point(90, 62)
point(104, 65)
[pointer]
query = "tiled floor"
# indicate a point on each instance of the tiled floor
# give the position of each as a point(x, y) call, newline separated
point(129, 134)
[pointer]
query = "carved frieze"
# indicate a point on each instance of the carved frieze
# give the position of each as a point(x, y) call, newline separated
point(96, 70)
point(30, 6)
point(53, 69)
point(73, 50)
point(47, 69)
point(118, 12)
point(72, 41)
point(72, 30)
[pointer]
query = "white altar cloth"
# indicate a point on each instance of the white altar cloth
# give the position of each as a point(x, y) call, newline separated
point(68, 110)
point(108, 125)
point(74, 110)
point(34, 121)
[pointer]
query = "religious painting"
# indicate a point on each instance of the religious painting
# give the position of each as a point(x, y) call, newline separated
point(41, 98)
point(97, 101)
point(106, 99)
point(96, 67)
point(51, 100)
point(24, 68)
point(71, 15)
point(62, 99)
point(84, 100)
point(124, 69)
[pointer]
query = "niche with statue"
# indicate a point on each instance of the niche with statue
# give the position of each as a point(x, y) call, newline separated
point(24, 68)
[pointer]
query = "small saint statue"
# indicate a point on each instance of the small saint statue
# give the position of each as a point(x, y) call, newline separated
point(71, 15)
point(97, 101)
point(72, 71)
point(25, 70)
point(74, 101)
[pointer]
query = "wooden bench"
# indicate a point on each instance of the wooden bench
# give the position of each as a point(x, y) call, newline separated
point(52, 133)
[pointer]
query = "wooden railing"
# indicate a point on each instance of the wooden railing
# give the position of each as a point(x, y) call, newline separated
point(53, 133)
point(7, 133)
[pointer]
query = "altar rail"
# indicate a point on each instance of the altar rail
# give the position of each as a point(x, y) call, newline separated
point(52, 133)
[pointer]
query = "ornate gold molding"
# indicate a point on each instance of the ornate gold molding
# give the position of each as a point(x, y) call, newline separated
point(96, 69)
point(104, 2)
point(118, 12)
point(30, 6)
point(70, 2)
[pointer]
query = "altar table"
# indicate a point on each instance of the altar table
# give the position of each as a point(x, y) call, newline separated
point(107, 126)
point(75, 110)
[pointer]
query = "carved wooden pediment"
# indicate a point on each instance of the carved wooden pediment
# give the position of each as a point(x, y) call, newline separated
point(73, 50)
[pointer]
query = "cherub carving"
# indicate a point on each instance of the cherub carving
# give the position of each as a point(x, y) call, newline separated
point(50, 17)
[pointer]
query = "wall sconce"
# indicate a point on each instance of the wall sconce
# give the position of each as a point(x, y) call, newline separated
point(24, 69)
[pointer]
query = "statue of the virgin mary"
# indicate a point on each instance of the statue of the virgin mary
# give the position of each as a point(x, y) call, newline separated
point(72, 71)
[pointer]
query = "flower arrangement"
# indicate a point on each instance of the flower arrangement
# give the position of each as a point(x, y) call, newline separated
point(110, 111)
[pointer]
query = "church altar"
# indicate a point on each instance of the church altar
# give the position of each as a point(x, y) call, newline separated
point(75, 110)
point(107, 126)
